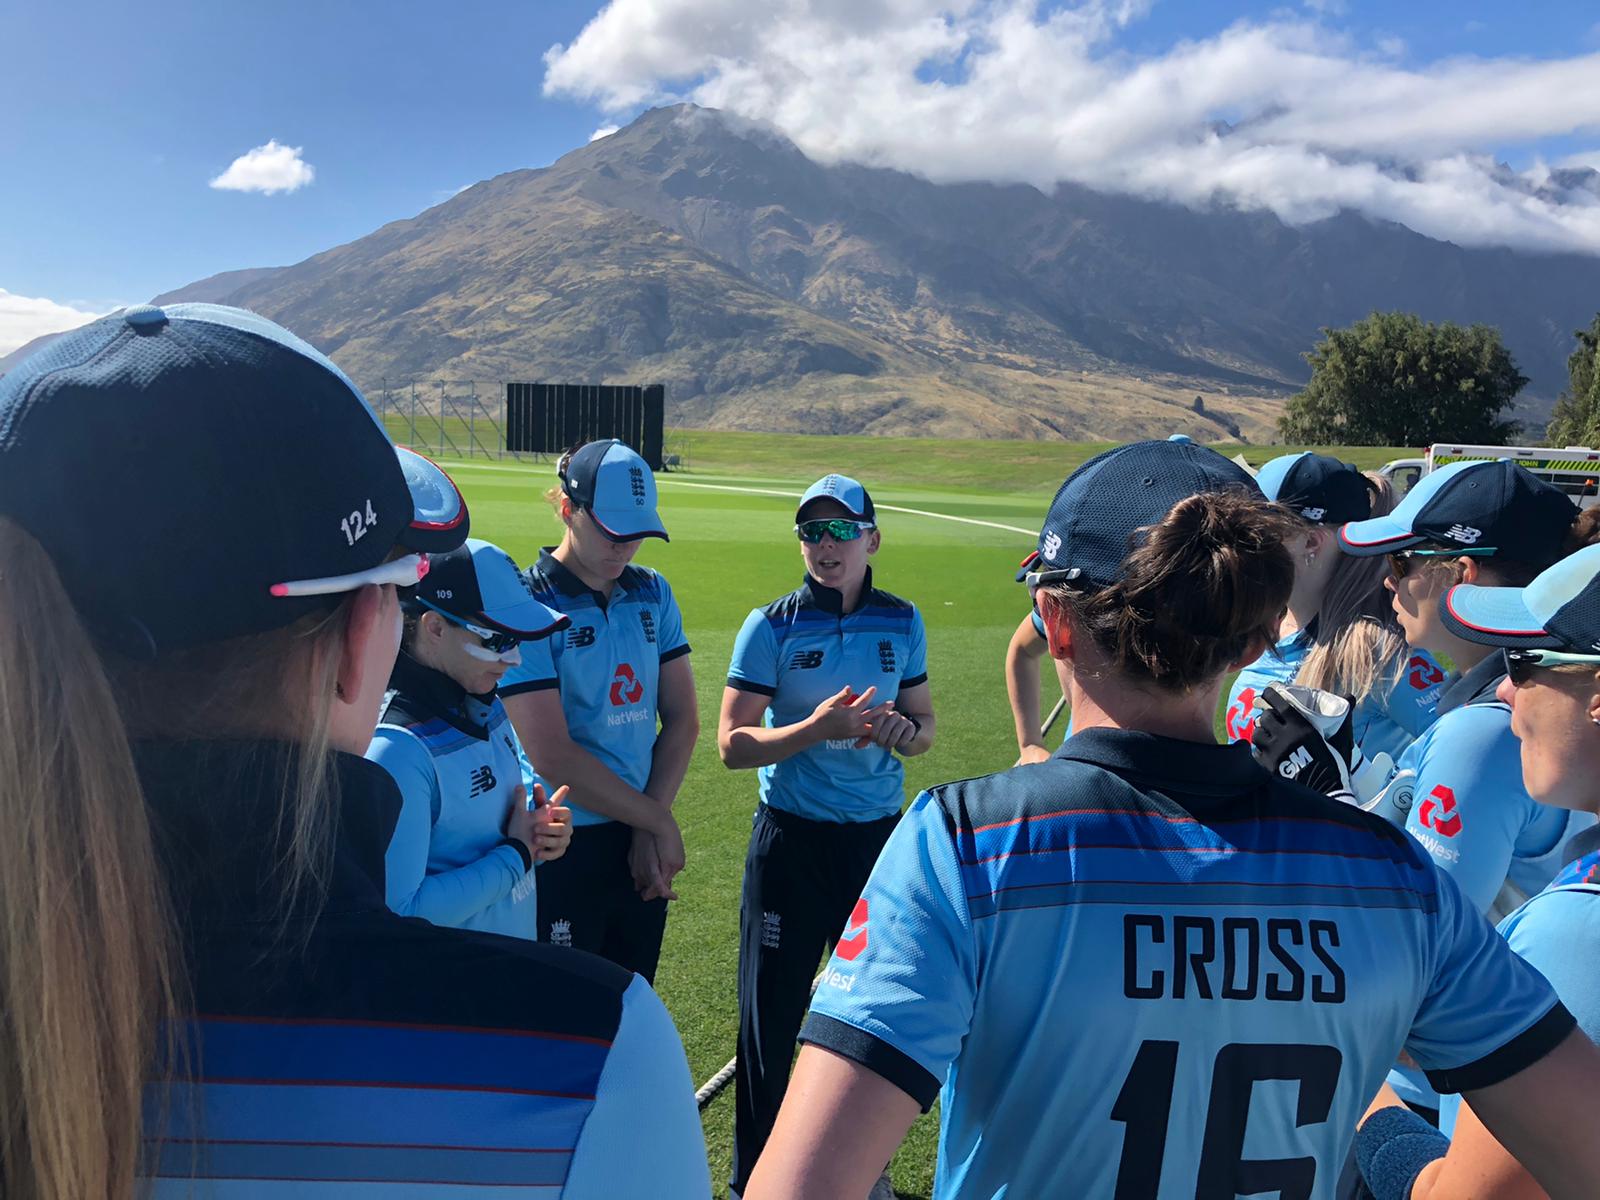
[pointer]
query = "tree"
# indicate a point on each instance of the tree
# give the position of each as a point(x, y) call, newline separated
point(1576, 419)
point(1392, 379)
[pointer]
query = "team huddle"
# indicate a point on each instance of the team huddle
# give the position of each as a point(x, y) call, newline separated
point(343, 845)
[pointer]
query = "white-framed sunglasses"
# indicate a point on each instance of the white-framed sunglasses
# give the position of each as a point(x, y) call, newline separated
point(406, 571)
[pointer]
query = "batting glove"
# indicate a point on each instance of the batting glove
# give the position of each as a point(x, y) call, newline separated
point(1304, 735)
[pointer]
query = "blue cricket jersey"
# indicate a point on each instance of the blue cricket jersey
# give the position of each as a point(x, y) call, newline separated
point(367, 1054)
point(803, 648)
point(1473, 815)
point(607, 665)
point(1384, 721)
point(458, 764)
point(1558, 931)
point(1148, 968)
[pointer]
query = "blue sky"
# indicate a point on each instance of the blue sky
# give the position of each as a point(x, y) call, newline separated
point(116, 117)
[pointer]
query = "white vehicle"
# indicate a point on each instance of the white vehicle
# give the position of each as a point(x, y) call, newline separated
point(1573, 469)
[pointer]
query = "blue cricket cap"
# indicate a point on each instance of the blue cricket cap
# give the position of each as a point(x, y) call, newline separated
point(1559, 610)
point(479, 583)
point(845, 491)
point(198, 473)
point(617, 488)
point(1317, 488)
point(1495, 506)
point(1095, 519)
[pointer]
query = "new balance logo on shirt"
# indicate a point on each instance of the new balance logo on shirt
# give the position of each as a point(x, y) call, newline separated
point(580, 636)
point(805, 660)
point(483, 781)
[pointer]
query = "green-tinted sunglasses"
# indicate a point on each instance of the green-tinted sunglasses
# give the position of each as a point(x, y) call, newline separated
point(839, 529)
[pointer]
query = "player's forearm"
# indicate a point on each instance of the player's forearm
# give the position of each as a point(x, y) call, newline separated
point(745, 746)
point(1022, 686)
point(669, 761)
point(595, 786)
point(923, 741)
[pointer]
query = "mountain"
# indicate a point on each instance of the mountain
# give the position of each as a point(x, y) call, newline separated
point(768, 291)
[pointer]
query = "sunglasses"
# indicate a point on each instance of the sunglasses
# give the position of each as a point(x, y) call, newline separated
point(497, 647)
point(1400, 560)
point(1521, 664)
point(839, 529)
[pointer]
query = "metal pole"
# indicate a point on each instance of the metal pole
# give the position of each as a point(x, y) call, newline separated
point(472, 418)
point(440, 384)
point(412, 437)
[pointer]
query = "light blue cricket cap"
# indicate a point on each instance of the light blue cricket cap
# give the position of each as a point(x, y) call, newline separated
point(845, 491)
point(1559, 610)
point(479, 583)
point(617, 488)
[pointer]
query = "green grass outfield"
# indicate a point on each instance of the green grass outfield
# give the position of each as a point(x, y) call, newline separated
point(734, 549)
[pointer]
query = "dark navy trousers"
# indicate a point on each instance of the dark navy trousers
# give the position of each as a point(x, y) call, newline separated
point(801, 880)
point(587, 901)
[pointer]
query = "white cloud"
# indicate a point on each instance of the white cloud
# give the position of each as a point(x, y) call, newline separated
point(23, 318)
point(267, 169)
point(1282, 113)
point(604, 131)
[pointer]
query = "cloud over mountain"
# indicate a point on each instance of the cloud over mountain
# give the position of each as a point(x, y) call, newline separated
point(268, 169)
point(1288, 114)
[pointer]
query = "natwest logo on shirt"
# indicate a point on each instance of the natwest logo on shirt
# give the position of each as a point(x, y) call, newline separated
point(1240, 723)
point(1423, 673)
point(1438, 812)
point(625, 687)
point(854, 940)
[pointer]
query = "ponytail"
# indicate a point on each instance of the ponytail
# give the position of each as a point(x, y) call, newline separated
point(89, 954)
point(1207, 582)
point(88, 967)
point(1360, 649)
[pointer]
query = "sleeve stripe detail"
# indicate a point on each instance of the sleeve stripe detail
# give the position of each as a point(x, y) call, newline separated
point(1522, 1051)
point(746, 685)
point(679, 652)
point(874, 1054)
point(532, 685)
point(914, 681)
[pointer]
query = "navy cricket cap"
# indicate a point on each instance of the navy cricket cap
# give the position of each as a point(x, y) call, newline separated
point(1559, 610)
point(479, 583)
point(1493, 506)
point(1098, 512)
point(845, 491)
point(1317, 488)
point(617, 488)
point(198, 473)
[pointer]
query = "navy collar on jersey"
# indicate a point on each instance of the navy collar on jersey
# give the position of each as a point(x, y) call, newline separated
point(566, 581)
point(831, 600)
point(1581, 844)
point(1195, 767)
point(215, 808)
point(424, 692)
point(1473, 686)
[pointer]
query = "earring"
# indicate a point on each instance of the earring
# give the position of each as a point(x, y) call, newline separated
point(1311, 557)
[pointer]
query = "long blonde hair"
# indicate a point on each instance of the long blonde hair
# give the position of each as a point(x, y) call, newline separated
point(90, 966)
point(1359, 647)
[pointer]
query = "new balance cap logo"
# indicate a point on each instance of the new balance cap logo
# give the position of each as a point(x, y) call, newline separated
point(1464, 534)
point(1313, 514)
point(1052, 545)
